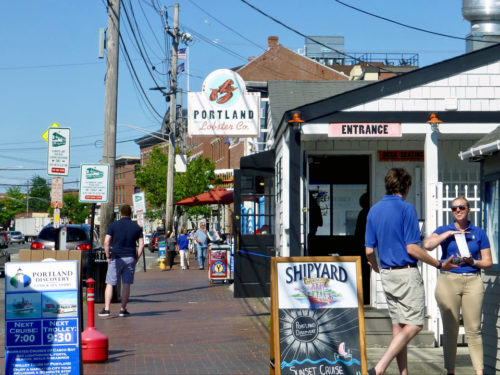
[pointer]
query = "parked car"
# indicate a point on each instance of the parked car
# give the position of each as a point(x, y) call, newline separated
point(4, 258)
point(153, 243)
point(16, 236)
point(77, 237)
point(4, 240)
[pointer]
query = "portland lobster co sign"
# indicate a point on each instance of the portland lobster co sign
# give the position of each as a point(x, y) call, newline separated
point(224, 107)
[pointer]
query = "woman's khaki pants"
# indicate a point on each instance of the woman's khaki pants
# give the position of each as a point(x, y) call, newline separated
point(455, 291)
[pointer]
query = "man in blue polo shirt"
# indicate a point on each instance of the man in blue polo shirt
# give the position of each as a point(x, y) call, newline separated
point(392, 228)
point(127, 242)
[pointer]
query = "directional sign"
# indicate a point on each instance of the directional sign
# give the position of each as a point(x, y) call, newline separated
point(58, 156)
point(45, 134)
point(94, 183)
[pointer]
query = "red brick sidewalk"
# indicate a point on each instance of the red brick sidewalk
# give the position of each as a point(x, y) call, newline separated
point(180, 324)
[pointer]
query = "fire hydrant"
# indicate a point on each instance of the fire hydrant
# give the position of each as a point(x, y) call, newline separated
point(163, 263)
point(94, 343)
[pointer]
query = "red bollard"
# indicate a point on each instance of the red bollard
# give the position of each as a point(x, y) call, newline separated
point(94, 343)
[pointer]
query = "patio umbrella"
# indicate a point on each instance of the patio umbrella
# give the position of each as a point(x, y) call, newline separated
point(215, 196)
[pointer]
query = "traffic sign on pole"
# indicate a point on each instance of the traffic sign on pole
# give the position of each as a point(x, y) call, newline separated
point(94, 183)
point(58, 155)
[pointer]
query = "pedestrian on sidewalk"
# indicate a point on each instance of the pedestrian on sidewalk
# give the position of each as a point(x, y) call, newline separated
point(191, 243)
point(201, 244)
point(123, 245)
point(461, 287)
point(392, 228)
point(170, 244)
point(183, 248)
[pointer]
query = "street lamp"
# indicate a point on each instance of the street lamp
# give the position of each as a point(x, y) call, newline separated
point(434, 122)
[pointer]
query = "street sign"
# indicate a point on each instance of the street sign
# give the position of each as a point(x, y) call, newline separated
point(94, 183)
point(45, 134)
point(58, 155)
point(139, 203)
point(56, 192)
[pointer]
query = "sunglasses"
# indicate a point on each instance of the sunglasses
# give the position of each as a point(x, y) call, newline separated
point(460, 207)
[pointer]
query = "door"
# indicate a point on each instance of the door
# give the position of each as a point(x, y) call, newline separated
point(338, 206)
point(254, 224)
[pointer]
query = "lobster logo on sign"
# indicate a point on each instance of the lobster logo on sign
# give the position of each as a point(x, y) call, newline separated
point(224, 92)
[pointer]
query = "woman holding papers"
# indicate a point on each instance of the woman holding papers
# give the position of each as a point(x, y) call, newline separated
point(461, 287)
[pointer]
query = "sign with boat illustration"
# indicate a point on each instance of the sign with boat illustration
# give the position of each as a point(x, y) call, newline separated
point(317, 316)
point(42, 324)
point(58, 151)
point(94, 183)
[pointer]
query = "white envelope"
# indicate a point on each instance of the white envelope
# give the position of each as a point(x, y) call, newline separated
point(462, 245)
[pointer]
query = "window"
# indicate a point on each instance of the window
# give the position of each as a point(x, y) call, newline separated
point(257, 205)
point(492, 215)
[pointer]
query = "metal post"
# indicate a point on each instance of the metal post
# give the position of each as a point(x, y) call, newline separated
point(111, 97)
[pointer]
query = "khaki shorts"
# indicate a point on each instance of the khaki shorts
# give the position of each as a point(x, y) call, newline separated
point(404, 290)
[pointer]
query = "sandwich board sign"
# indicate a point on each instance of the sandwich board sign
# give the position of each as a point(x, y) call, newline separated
point(317, 317)
point(94, 184)
point(58, 152)
point(42, 318)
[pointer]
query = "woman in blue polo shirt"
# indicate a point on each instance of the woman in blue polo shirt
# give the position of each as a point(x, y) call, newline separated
point(461, 287)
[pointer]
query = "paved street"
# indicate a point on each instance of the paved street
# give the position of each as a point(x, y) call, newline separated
point(180, 324)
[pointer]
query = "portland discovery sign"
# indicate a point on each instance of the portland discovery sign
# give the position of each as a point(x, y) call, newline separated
point(224, 107)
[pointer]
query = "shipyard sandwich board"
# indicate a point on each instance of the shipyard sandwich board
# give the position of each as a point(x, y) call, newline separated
point(317, 317)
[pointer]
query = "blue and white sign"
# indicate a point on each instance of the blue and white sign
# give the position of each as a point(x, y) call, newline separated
point(42, 326)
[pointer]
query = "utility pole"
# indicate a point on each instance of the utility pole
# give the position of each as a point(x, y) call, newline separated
point(169, 208)
point(110, 104)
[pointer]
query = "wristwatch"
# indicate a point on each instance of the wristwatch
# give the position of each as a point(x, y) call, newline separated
point(439, 265)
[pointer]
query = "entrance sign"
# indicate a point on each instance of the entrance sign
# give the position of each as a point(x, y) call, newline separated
point(42, 325)
point(364, 130)
point(224, 107)
point(317, 318)
point(58, 155)
point(93, 183)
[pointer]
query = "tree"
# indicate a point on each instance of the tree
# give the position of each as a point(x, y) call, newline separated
point(12, 204)
point(74, 210)
point(39, 195)
point(151, 178)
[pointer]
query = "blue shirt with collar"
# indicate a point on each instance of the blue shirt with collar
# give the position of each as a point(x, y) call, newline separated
point(391, 225)
point(476, 241)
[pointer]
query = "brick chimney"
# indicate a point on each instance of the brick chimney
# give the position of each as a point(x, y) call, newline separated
point(272, 42)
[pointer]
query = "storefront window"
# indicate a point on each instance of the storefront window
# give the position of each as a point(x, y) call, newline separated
point(257, 205)
point(492, 215)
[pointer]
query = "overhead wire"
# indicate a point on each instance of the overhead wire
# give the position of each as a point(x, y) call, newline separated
point(312, 39)
point(409, 26)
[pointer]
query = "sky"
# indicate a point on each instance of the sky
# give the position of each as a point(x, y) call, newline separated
point(50, 70)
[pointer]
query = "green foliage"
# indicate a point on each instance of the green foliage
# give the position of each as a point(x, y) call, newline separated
point(12, 204)
point(152, 178)
point(39, 200)
point(196, 180)
point(73, 209)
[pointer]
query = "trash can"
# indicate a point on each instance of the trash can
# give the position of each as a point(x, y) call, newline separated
point(99, 269)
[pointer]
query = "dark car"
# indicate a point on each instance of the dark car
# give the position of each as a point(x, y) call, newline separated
point(153, 242)
point(77, 237)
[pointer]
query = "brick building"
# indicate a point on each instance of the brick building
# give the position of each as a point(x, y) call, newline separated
point(125, 179)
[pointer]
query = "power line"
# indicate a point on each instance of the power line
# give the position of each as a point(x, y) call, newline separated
point(412, 27)
point(312, 39)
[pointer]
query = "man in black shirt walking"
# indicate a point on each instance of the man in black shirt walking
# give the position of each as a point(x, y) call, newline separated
point(123, 235)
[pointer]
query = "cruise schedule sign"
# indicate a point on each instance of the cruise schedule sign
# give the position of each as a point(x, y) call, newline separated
point(42, 325)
